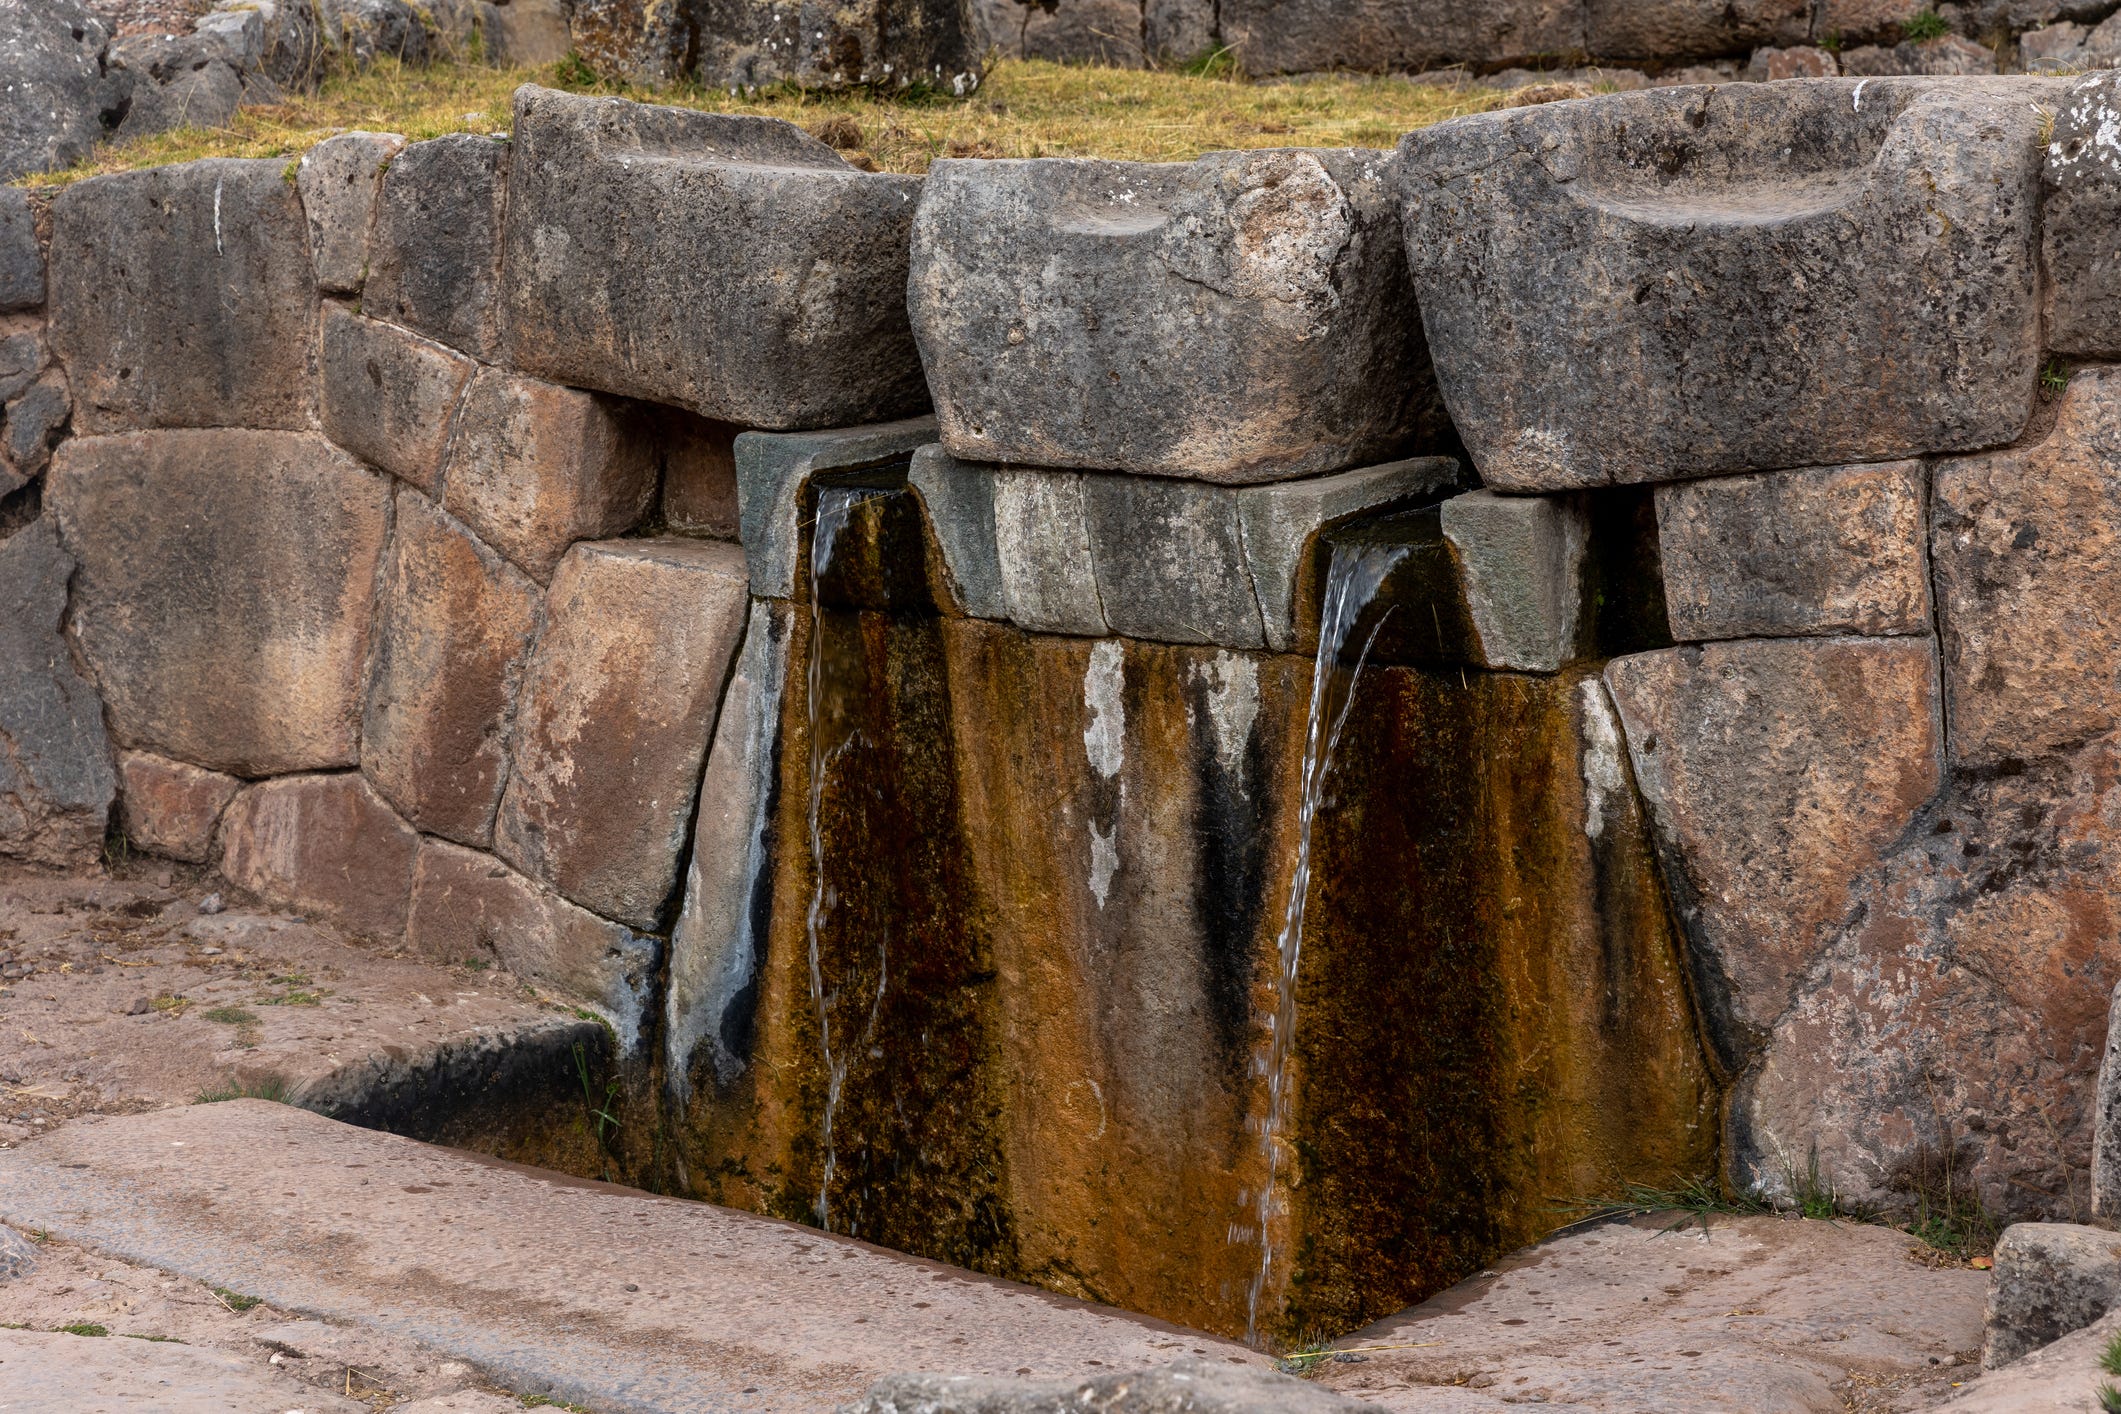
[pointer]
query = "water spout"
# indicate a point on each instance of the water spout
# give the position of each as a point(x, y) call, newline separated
point(1357, 571)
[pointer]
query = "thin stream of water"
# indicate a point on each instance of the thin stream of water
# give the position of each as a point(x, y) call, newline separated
point(1353, 577)
point(834, 505)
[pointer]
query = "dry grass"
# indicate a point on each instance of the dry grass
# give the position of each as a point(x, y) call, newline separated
point(1024, 110)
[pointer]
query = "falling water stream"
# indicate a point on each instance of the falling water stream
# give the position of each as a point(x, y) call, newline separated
point(1357, 571)
point(834, 505)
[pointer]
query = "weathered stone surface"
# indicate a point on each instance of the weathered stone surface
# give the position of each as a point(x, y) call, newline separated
point(870, 43)
point(175, 81)
point(470, 906)
point(615, 717)
point(338, 180)
point(389, 397)
point(772, 471)
point(2050, 1279)
point(168, 807)
point(719, 942)
point(1185, 1387)
point(2027, 546)
point(799, 322)
point(958, 499)
point(324, 844)
point(535, 467)
point(35, 420)
point(1103, 32)
point(62, 1371)
point(1597, 317)
point(1832, 550)
point(524, 34)
point(1777, 771)
point(1951, 55)
point(367, 30)
point(2079, 215)
point(2106, 1119)
point(1170, 561)
point(1521, 559)
point(222, 601)
point(435, 255)
point(1282, 522)
point(2068, 48)
point(1042, 547)
point(698, 476)
point(1864, 21)
point(290, 49)
point(454, 628)
point(182, 297)
point(1801, 61)
point(1690, 29)
point(59, 97)
point(1378, 36)
point(21, 257)
point(22, 357)
point(1244, 318)
point(55, 770)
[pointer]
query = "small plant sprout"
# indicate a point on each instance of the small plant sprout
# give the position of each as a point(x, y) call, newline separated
point(2110, 1358)
point(1925, 25)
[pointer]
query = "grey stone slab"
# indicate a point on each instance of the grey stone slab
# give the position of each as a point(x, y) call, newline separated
point(877, 44)
point(435, 255)
point(1660, 285)
point(2079, 216)
point(22, 357)
point(1239, 319)
point(1186, 1387)
point(798, 320)
point(36, 419)
point(290, 48)
point(1306, 36)
point(1170, 562)
point(339, 181)
point(2049, 1279)
point(1521, 561)
point(59, 1372)
point(1827, 550)
point(389, 396)
point(959, 500)
point(175, 81)
point(21, 257)
point(1042, 543)
point(719, 941)
point(1281, 525)
point(56, 777)
point(771, 472)
point(524, 34)
point(57, 93)
point(182, 297)
point(2106, 1119)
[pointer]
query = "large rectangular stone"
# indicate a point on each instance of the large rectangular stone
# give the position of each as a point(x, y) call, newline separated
point(166, 807)
point(389, 397)
point(325, 844)
point(614, 720)
point(1042, 544)
point(734, 266)
point(1838, 549)
point(958, 499)
point(339, 181)
point(1170, 561)
point(1680, 282)
point(435, 258)
point(21, 256)
point(1409, 36)
point(1242, 318)
point(224, 592)
point(56, 781)
point(454, 628)
point(182, 297)
point(2078, 219)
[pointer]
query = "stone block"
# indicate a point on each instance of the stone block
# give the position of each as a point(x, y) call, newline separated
point(2106, 1118)
point(524, 34)
point(1803, 61)
point(1170, 561)
point(1948, 56)
point(167, 807)
point(1690, 29)
point(697, 458)
point(1042, 549)
point(56, 780)
point(1776, 772)
point(1681, 282)
point(719, 941)
point(1865, 21)
point(1103, 32)
point(877, 44)
point(326, 845)
point(1839, 549)
point(1385, 36)
point(799, 321)
point(2027, 547)
point(388, 396)
point(364, 31)
point(615, 717)
point(1239, 319)
point(468, 906)
point(535, 467)
point(1521, 564)
point(2081, 212)
point(772, 470)
point(182, 297)
point(1282, 524)
point(59, 93)
point(174, 81)
point(435, 256)
point(22, 357)
point(454, 627)
point(224, 590)
point(290, 49)
point(35, 420)
point(2049, 1279)
point(958, 499)
point(338, 181)
point(21, 257)
point(1191, 1386)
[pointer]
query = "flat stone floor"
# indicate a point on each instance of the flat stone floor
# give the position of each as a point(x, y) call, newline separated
point(118, 995)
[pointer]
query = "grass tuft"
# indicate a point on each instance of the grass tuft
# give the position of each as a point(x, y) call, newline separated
point(235, 1300)
point(232, 1016)
point(2110, 1358)
point(84, 1328)
point(1924, 25)
point(272, 1088)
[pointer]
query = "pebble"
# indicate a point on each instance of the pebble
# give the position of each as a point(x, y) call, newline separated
point(209, 952)
point(211, 905)
point(136, 1007)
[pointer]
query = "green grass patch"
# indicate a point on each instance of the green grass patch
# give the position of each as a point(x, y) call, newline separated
point(272, 1088)
point(236, 1300)
point(232, 1016)
point(1924, 25)
point(84, 1328)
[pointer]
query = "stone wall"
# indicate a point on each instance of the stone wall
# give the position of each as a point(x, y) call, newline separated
point(1210, 736)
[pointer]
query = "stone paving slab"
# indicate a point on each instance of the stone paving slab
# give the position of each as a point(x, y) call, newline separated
point(74, 1374)
point(593, 1294)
